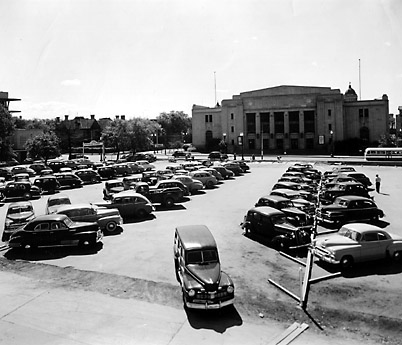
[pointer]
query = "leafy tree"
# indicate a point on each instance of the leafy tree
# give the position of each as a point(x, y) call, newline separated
point(175, 123)
point(6, 130)
point(43, 146)
point(117, 136)
point(141, 132)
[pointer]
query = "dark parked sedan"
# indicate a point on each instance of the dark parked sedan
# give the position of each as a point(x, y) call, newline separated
point(22, 189)
point(55, 230)
point(69, 180)
point(107, 172)
point(47, 183)
point(88, 175)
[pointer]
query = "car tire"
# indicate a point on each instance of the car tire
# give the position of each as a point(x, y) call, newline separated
point(169, 202)
point(397, 256)
point(27, 196)
point(141, 213)
point(210, 184)
point(346, 262)
point(110, 227)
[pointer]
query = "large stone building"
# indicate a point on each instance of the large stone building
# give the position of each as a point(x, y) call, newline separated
point(293, 119)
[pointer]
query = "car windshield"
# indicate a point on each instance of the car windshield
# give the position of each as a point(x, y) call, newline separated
point(202, 256)
point(280, 219)
point(63, 201)
point(353, 235)
point(19, 209)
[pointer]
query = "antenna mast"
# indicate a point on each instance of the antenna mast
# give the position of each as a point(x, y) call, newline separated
point(215, 87)
point(360, 84)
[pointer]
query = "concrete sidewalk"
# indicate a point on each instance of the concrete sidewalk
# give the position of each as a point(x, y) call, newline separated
point(32, 312)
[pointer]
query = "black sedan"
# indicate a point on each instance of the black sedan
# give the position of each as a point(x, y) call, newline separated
point(22, 189)
point(55, 230)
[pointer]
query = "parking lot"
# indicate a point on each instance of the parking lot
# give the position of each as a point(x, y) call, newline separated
point(144, 251)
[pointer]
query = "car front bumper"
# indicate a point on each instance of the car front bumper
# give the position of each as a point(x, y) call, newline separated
point(208, 305)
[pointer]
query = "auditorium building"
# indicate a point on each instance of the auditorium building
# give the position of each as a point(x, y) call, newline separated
point(292, 119)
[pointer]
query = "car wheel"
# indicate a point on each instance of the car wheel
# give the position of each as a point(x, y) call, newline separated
point(141, 213)
point(93, 180)
point(346, 262)
point(169, 202)
point(111, 227)
point(210, 184)
point(27, 196)
point(397, 256)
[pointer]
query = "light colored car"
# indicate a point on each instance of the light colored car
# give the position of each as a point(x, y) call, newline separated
point(55, 201)
point(112, 187)
point(18, 214)
point(193, 186)
point(146, 165)
point(206, 178)
point(358, 242)
point(108, 219)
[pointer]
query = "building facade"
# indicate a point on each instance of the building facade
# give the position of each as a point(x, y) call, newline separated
point(293, 119)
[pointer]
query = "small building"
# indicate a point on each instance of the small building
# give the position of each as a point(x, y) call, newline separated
point(293, 119)
point(5, 102)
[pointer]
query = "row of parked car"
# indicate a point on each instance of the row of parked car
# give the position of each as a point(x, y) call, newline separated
point(336, 199)
point(133, 196)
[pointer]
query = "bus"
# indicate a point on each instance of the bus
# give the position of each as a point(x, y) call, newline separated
point(383, 154)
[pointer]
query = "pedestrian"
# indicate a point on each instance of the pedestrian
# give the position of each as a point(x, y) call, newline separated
point(377, 183)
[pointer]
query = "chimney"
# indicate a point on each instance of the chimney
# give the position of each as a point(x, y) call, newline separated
point(65, 117)
point(57, 119)
point(92, 117)
point(123, 117)
point(117, 117)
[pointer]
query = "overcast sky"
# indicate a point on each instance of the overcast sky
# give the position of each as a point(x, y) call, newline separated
point(141, 58)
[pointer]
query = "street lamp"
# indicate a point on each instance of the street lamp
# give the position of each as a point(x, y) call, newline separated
point(242, 145)
point(224, 142)
point(332, 142)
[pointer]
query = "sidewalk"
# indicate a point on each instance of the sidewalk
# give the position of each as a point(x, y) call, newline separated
point(32, 312)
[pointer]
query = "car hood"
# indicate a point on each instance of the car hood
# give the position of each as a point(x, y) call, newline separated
point(20, 216)
point(116, 189)
point(335, 240)
point(207, 275)
point(103, 211)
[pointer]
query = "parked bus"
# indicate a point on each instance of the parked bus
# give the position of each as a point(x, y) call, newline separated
point(383, 154)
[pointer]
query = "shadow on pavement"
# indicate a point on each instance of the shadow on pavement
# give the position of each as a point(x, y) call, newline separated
point(217, 320)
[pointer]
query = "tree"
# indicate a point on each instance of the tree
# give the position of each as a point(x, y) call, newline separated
point(43, 146)
point(6, 130)
point(117, 136)
point(175, 123)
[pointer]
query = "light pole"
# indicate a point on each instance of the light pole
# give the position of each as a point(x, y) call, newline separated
point(332, 142)
point(224, 142)
point(242, 145)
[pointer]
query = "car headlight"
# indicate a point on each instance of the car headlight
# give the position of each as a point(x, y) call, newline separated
point(8, 222)
point(230, 289)
point(191, 293)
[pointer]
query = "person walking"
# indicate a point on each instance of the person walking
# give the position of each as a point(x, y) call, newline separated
point(377, 183)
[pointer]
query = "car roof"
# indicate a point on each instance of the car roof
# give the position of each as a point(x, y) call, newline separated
point(20, 203)
point(47, 217)
point(275, 197)
point(266, 210)
point(58, 196)
point(362, 227)
point(353, 197)
point(195, 236)
point(74, 206)
point(128, 193)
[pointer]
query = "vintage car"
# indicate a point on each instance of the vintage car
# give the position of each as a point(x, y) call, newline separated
point(106, 172)
point(122, 169)
point(68, 180)
point(129, 181)
point(193, 186)
point(18, 214)
point(88, 175)
point(359, 177)
point(108, 219)
point(135, 168)
point(55, 201)
point(47, 183)
point(272, 225)
point(56, 164)
point(22, 189)
point(243, 165)
point(146, 165)
point(22, 169)
point(301, 199)
point(225, 173)
point(55, 230)
point(358, 242)
point(213, 172)
point(170, 183)
point(295, 215)
point(112, 187)
point(235, 168)
point(38, 167)
point(349, 208)
point(208, 180)
point(327, 196)
point(198, 270)
point(21, 177)
point(130, 204)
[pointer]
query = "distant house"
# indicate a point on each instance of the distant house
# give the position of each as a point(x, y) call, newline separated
point(75, 132)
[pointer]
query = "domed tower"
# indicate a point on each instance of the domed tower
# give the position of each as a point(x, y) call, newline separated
point(350, 95)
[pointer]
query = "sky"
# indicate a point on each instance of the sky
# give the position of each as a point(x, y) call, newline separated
point(142, 58)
